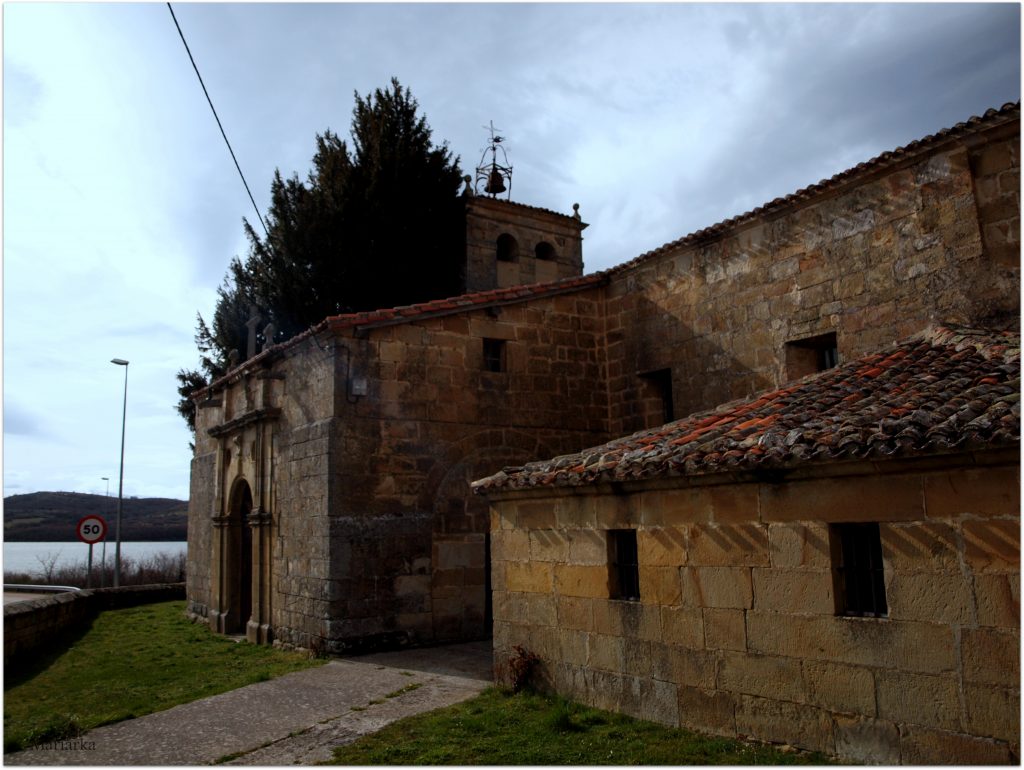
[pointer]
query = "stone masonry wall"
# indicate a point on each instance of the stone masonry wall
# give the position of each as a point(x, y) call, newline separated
point(488, 218)
point(736, 633)
point(284, 458)
point(32, 626)
point(410, 539)
point(304, 441)
point(875, 260)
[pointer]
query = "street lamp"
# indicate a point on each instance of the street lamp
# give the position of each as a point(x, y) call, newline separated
point(120, 483)
point(103, 558)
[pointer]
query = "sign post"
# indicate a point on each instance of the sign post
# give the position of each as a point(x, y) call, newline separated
point(91, 529)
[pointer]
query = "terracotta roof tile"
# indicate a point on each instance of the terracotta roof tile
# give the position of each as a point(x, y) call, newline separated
point(1007, 112)
point(948, 388)
point(458, 304)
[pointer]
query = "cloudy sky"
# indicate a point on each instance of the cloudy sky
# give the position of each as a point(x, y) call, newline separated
point(122, 207)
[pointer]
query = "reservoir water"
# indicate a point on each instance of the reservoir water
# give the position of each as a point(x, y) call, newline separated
point(28, 557)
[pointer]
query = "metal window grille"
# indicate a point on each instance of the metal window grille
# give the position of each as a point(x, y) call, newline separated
point(625, 570)
point(860, 580)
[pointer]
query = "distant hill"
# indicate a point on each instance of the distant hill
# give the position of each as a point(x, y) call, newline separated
point(52, 516)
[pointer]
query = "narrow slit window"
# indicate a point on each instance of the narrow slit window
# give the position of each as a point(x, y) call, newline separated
point(494, 355)
point(624, 577)
point(858, 575)
point(656, 393)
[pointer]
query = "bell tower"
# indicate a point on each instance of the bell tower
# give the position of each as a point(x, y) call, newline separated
point(512, 244)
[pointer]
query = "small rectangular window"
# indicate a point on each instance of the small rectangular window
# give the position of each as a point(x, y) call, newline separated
point(858, 577)
point(624, 571)
point(494, 355)
point(656, 392)
point(810, 355)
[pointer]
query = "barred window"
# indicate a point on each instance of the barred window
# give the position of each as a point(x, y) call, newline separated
point(858, 576)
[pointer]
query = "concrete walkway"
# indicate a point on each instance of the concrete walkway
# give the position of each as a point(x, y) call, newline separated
point(294, 719)
point(10, 597)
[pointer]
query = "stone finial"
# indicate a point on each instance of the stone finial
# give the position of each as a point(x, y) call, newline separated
point(268, 335)
point(233, 357)
point(576, 211)
point(467, 191)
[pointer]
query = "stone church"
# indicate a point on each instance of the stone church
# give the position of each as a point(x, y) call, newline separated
point(331, 505)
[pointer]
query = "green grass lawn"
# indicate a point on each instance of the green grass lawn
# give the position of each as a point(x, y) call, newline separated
point(130, 662)
point(498, 728)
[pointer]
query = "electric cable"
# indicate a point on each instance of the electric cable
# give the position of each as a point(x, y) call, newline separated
point(215, 116)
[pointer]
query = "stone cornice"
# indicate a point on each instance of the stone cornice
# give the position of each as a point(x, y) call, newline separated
point(256, 415)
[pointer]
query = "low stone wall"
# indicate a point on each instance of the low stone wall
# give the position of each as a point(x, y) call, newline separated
point(29, 625)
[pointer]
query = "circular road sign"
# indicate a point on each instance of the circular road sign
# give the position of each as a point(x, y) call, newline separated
point(91, 529)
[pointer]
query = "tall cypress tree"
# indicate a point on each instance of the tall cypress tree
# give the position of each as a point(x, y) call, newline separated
point(377, 225)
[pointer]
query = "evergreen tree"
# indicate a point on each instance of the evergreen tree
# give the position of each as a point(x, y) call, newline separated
point(377, 225)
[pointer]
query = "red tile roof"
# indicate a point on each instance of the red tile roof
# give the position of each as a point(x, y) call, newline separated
point(945, 389)
point(475, 301)
point(397, 315)
point(992, 117)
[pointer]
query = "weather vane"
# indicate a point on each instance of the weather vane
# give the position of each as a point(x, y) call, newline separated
point(493, 174)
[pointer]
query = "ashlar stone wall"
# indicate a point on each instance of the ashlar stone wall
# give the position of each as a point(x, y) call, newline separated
point(524, 228)
point(871, 259)
point(736, 631)
point(409, 542)
point(267, 428)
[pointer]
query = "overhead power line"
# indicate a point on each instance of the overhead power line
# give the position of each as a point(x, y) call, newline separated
point(221, 127)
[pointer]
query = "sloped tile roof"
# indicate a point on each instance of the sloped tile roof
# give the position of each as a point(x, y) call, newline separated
point(948, 388)
point(464, 302)
point(402, 314)
point(992, 117)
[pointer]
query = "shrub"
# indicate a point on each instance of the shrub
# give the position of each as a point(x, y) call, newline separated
point(158, 568)
point(522, 666)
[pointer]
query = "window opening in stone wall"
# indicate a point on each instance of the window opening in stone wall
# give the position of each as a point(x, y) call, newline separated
point(544, 250)
point(508, 248)
point(810, 355)
point(494, 355)
point(657, 397)
point(624, 570)
point(858, 576)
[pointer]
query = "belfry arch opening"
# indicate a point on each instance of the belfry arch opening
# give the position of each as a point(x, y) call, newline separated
point(507, 248)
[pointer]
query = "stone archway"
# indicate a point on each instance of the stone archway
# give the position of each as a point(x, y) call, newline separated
point(460, 558)
point(236, 572)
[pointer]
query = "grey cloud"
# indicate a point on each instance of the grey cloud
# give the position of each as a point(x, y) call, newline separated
point(22, 422)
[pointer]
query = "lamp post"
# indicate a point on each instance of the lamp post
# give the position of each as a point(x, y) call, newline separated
point(103, 557)
point(120, 483)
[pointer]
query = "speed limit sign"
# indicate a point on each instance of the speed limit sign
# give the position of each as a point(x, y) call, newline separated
point(91, 529)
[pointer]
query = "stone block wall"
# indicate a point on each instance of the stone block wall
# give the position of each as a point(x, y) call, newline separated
point(33, 625)
point(273, 429)
point(487, 219)
point(996, 170)
point(736, 631)
point(433, 420)
point(874, 259)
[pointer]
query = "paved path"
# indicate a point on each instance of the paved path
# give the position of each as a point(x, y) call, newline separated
point(11, 597)
point(294, 719)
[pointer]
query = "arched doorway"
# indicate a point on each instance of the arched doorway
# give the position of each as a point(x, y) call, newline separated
point(238, 566)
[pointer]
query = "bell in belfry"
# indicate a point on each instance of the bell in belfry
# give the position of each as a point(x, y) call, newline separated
point(496, 178)
point(495, 182)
